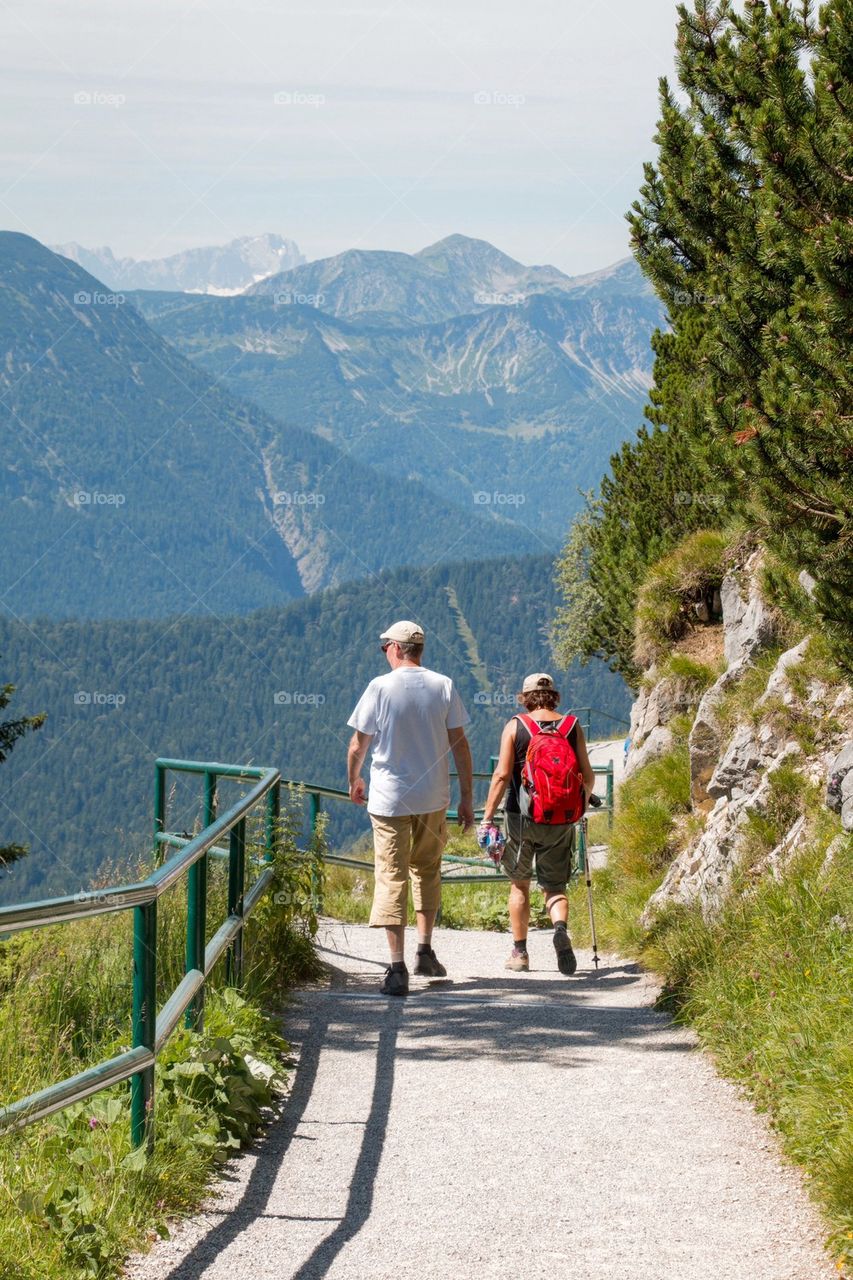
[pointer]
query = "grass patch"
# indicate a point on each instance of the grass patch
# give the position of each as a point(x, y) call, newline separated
point(768, 988)
point(75, 1197)
point(697, 675)
point(673, 585)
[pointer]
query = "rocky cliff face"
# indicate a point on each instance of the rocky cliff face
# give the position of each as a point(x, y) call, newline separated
point(753, 736)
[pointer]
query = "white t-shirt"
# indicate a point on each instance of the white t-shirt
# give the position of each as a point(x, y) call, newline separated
point(408, 712)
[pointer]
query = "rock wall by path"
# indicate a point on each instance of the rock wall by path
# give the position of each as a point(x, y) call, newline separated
point(732, 765)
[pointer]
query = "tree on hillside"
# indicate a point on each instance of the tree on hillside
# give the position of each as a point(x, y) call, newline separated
point(745, 227)
point(10, 732)
point(658, 490)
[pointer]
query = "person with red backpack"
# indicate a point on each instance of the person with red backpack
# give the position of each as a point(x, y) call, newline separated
point(543, 761)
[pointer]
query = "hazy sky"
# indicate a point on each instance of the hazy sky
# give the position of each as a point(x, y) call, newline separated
point(156, 125)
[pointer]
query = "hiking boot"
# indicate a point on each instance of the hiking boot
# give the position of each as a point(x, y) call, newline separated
point(395, 982)
point(428, 965)
point(519, 961)
point(567, 961)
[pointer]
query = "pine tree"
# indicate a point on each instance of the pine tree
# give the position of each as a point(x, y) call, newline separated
point(745, 227)
point(10, 732)
point(659, 489)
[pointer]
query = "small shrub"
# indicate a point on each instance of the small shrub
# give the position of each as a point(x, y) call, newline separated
point(697, 675)
point(689, 574)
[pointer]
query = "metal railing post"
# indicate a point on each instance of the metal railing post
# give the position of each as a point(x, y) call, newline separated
point(159, 809)
point(316, 810)
point(272, 818)
point(144, 1020)
point(236, 884)
point(197, 910)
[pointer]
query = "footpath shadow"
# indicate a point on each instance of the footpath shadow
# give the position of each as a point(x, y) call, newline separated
point(271, 1150)
point(505, 1017)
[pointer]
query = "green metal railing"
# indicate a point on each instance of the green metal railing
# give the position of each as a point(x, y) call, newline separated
point(151, 1029)
point(473, 870)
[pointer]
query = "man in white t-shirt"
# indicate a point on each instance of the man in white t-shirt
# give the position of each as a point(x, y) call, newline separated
point(414, 719)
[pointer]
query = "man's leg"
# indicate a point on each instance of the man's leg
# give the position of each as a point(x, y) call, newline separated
point(429, 836)
point(396, 937)
point(392, 838)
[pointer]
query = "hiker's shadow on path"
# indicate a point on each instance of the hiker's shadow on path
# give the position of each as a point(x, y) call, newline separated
point(272, 1150)
point(476, 1021)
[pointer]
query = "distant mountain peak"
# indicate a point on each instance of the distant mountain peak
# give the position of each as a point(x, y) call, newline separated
point(221, 269)
point(456, 247)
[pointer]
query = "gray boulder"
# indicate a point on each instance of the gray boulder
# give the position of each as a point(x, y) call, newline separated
point(703, 871)
point(740, 762)
point(656, 744)
point(705, 741)
point(778, 685)
point(838, 793)
point(653, 709)
point(748, 624)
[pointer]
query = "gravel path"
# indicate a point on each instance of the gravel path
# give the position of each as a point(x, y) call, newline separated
point(498, 1125)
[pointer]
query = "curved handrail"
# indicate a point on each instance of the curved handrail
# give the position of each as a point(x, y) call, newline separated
point(151, 1030)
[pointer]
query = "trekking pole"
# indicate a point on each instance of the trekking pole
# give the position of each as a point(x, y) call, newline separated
point(595, 803)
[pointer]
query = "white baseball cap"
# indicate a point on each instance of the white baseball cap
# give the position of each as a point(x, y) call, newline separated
point(539, 680)
point(404, 633)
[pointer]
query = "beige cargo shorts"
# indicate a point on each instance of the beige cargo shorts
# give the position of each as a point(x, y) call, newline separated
point(407, 847)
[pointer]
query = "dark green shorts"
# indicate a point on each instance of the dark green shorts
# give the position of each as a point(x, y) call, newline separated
point(547, 846)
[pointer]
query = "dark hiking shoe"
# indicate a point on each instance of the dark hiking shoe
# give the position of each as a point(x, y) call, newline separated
point(519, 961)
point(427, 965)
point(567, 961)
point(395, 982)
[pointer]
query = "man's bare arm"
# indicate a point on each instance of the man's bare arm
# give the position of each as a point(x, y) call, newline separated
point(502, 773)
point(465, 768)
point(359, 745)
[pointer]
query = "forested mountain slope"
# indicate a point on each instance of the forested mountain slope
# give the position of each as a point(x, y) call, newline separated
point(274, 687)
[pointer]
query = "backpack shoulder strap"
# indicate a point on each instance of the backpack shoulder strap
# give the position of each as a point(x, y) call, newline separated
point(532, 726)
point(566, 725)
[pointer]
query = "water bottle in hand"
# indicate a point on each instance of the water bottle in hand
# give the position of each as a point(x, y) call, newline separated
point(491, 839)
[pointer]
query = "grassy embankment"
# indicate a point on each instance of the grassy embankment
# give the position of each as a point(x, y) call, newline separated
point(75, 1198)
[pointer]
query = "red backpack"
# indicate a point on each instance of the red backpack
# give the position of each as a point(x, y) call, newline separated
point(551, 775)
